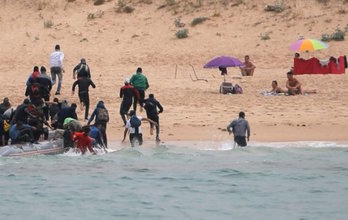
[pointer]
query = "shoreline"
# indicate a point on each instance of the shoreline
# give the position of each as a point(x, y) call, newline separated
point(259, 133)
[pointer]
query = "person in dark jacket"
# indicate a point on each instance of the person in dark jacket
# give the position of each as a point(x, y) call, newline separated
point(33, 76)
point(83, 84)
point(239, 127)
point(4, 131)
point(5, 105)
point(152, 106)
point(82, 70)
point(21, 113)
point(128, 93)
point(20, 132)
point(45, 83)
point(101, 116)
point(66, 113)
point(35, 94)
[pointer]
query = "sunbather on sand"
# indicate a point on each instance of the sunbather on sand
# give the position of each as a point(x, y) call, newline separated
point(248, 68)
point(294, 86)
point(276, 88)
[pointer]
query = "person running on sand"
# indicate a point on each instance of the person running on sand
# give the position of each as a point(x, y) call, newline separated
point(83, 141)
point(239, 127)
point(128, 93)
point(140, 83)
point(83, 83)
point(248, 68)
point(276, 89)
point(56, 63)
point(82, 70)
point(134, 127)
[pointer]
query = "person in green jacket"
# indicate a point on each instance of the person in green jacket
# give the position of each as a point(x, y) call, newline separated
point(140, 83)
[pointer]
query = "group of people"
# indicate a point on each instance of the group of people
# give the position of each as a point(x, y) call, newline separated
point(26, 122)
point(293, 86)
point(132, 93)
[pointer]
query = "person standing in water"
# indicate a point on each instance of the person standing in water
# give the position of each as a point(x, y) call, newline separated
point(239, 127)
point(152, 106)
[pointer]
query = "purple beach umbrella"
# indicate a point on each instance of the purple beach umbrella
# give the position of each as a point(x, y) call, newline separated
point(223, 62)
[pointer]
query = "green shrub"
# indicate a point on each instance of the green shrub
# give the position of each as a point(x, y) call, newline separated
point(122, 7)
point(338, 35)
point(265, 36)
point(323, 1)
point(276, 7)
point(183, 33)
point(48, 24)
point(326, 37)
point(198, 20)
point(170, 2)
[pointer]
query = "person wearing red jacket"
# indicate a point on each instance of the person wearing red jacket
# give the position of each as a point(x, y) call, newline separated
point(83, 141)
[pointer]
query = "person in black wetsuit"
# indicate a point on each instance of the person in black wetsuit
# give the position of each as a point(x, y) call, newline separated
point(128, 93)
point(5, 105)
point(83, 84)
point(82, 70)
point(152, 106)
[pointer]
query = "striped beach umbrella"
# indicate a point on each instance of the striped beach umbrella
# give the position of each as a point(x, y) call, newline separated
point(308, 45)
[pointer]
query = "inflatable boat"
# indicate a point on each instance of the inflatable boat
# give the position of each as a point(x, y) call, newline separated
point(28, 149)
point(54, 145)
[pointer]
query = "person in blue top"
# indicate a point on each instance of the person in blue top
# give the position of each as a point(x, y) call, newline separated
point(20, 132)
point(101, 116)
point(95, 133)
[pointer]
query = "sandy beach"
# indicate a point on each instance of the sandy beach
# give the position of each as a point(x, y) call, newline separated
point(115, 44)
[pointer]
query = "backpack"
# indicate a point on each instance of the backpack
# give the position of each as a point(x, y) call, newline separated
point(237, 89)
point(35, 90)
point(103, 115)
point(135, 122)
point(6, 125)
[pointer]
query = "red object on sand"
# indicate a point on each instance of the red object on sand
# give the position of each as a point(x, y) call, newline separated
point(313, 66)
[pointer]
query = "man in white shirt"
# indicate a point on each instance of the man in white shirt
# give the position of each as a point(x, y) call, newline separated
point(134, 126)
point(56, 63)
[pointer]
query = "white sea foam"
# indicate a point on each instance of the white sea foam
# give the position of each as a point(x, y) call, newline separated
point(230, 145)
point(73, 153)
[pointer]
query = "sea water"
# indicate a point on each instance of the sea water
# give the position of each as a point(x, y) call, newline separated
point(181, 180)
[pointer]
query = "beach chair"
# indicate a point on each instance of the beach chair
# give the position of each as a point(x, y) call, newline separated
point(226, 87)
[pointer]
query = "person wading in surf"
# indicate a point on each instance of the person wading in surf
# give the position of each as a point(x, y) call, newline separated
point(239, 127)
